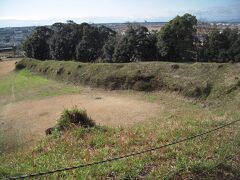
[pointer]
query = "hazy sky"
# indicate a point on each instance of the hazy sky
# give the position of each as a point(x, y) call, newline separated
point(116, 10)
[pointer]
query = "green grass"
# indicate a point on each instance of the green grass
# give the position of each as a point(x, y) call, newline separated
point(21, 81)
point(150, 97)
point(23, 84)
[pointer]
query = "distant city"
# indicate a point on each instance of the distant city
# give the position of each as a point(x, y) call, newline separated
point(14, 36)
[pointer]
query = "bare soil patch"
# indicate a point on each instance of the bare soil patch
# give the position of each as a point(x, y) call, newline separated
point(25, 122)
point(6, 67)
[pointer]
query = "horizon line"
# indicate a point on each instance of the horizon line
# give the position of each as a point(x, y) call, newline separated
point(153, 20)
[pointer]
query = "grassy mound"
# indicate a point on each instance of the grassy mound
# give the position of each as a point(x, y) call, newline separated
point(198, 80)
point(76, 117)
point(71, 118)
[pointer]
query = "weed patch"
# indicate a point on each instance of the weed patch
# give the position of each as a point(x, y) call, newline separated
point(70, 118)
point(19, 66)
point(200, 91)
point(238, 83)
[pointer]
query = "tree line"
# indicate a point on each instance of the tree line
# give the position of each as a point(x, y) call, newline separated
point(176, 41)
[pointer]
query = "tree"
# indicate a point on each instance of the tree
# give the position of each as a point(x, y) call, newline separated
point(37, 45)
point(213, 45)
point(91, 45)
point(109, 48)
point(235, 49)
point(137, 44)
point(124, 49)
point(221, 46)
point(145, 48)
point(65, 39)
point(177, 39)
point(231, 45)
point(27, 47)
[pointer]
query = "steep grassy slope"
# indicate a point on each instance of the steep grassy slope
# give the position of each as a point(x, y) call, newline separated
point(199, 80)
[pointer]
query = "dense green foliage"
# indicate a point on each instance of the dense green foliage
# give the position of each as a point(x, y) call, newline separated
point(138, 44)
point(37, 45)
point(64, 40)
point(177, 38)
point(222, 46)
point(92, 42)
point(176, 41)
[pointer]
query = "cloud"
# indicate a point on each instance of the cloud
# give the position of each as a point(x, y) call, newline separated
point(220, 13)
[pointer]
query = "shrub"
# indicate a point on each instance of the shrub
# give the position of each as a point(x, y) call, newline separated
point(200, 91)
point(19, 66)
point(60, 71)
point(207, 90)
point(175, 66)
point(142, 86)
point(238, 83)
point(74, 117)
point(197, 92)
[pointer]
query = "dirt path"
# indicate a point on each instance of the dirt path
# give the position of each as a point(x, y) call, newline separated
point(6, 67)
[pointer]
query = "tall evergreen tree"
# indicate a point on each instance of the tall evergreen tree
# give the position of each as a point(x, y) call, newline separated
point(91, 45)
point(37, 45)
point(137, 44)
point(221, 46)
point(177, 39)
point(64, 40)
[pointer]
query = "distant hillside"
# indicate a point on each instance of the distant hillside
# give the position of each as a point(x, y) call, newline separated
point(231, 21)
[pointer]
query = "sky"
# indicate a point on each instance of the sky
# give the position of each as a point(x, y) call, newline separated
point(41, 12)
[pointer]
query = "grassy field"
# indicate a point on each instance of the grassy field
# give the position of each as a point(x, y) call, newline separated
point(25, 85)
point(182, 116)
